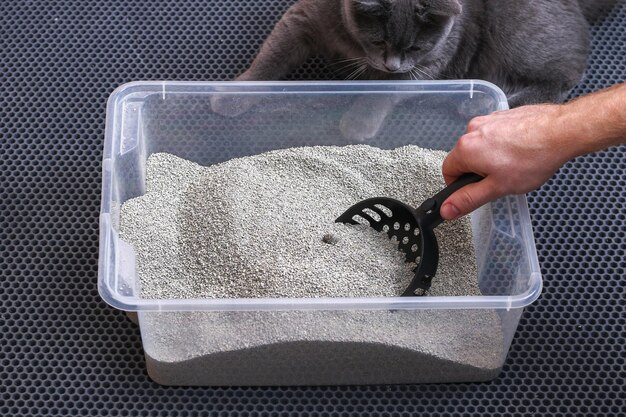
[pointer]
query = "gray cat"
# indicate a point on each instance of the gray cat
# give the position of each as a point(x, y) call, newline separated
point(536, 51)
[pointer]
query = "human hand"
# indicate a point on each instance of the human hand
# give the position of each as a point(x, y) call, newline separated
point(515, 150)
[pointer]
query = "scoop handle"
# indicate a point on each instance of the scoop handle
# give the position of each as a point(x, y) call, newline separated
point(429, 210)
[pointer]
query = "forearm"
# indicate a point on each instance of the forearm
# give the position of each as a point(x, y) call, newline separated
point(593, 122)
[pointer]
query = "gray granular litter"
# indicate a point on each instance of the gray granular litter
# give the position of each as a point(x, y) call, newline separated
point(263, 226)
point(322, 347)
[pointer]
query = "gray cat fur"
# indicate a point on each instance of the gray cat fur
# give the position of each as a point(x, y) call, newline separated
point(536, 51)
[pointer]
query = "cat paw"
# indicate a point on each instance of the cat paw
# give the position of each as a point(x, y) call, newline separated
point(359, 131)
point(477, 106)
point(359, 125)
point(231, 105)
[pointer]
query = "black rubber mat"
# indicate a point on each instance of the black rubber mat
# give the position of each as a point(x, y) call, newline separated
point(63, 352)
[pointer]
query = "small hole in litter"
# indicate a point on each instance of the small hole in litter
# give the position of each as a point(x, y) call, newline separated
point(375, 216)
point(384, 209)
point(330, 239)
point(396, 226)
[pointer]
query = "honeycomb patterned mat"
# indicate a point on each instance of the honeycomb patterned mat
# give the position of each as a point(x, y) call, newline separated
point(63, 352)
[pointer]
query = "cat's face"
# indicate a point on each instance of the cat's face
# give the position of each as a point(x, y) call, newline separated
point(399, 36)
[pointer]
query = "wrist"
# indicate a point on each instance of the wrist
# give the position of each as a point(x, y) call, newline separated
point(562, 133)
point(577, 130)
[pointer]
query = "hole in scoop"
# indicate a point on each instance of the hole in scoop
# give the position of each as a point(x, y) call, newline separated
point(384, 209)
point(407, 227)
point(375, 216)
point(405, 240)
point(361, 220)
point(414, 248)
point(385, 228)
point(396, 226)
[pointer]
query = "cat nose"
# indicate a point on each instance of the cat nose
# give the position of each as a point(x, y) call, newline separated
point(392, 63)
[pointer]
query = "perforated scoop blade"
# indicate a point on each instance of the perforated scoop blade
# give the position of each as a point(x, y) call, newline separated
point(412, 227)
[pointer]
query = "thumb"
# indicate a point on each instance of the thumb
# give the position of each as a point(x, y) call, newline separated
point(468, 199)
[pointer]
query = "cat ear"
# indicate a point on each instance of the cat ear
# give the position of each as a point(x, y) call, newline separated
point(373, 7)
point(438, 7)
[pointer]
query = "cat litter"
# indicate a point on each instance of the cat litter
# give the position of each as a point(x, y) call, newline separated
point(263, 226)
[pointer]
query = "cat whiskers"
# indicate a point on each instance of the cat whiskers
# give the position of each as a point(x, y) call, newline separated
point(420, 72)
point(357, 72)
point(357, 66)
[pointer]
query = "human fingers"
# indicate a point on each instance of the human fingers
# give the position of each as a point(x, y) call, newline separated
point(458, 160)
point(478, 121)
point(469, 198)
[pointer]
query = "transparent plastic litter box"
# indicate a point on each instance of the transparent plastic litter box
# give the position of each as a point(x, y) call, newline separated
point(312, 341)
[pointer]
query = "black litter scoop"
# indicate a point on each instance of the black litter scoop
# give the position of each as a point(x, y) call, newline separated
point(412, 228)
